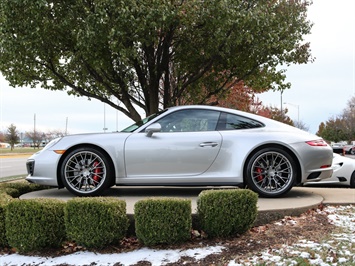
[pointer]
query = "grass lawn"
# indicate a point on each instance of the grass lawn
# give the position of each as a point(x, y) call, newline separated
point(16, 150)
point(12, 178)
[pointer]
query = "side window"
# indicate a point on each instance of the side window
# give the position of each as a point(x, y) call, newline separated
point(234, 122)
point(190, 120)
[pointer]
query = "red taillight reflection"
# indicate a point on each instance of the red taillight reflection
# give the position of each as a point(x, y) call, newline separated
point(318, 143)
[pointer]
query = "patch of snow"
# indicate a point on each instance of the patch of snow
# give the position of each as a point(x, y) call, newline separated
point(155, 257)
point(340, 249)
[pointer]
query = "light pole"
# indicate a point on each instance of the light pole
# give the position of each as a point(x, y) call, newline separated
point(105, 128)
point(298, 111)
point(66, 126)
point(282, 111)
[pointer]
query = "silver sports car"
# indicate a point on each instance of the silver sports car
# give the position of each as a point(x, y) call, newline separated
point(186, 146)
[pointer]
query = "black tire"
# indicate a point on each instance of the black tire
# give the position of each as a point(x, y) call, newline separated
point(271, 172)
point(352, 152)
point(352, 180)
point(86, 171)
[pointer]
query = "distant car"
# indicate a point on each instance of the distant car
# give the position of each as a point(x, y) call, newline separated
point(338, 148)
point(344, 172)
point(186, 146)
point(349, 149)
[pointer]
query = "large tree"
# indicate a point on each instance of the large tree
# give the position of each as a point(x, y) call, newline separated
point(150, 54)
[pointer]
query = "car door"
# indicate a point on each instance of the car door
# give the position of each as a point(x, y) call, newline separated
point(187, 145)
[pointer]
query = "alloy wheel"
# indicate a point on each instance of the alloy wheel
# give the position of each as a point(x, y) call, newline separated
point(272, 173)
point(85, 172)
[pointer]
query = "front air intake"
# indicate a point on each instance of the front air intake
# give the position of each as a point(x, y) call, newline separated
point(30, 165)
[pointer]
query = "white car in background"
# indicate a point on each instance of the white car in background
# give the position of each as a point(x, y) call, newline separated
point(343, 172)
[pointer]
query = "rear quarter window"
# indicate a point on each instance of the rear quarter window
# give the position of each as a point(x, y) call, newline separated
point(235, 122)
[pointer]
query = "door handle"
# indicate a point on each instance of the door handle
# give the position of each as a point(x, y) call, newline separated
point(208, 144)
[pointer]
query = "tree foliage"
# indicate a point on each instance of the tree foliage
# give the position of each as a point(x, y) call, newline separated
point(151, 54)
point(348, 117)
point(239, 96)
point(2, 137)
point(341, 127)
point(332, 130)
point(274, 113)
point(36, 137)
point(39, 138)
point(12, 136)
point(301, 125)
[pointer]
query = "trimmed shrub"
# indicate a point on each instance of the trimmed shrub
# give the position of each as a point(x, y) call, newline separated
point(6, 190)
point(4, 197)
point(96, 222)
point(15, 190)
point(223, 213)
point(34, 224)
point(162, 220)
point(3, 241)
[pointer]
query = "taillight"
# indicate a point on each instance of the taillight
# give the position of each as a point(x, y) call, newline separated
point(318, 143)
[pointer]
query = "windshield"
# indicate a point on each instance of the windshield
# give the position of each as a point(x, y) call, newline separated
point(142, 122)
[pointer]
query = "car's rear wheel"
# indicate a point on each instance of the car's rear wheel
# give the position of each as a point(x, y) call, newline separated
point(271, 172)
point(86, 172)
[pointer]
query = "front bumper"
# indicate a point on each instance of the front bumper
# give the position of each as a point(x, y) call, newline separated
point(42, 168)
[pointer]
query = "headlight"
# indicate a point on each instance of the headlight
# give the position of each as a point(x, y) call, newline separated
point(51, 143)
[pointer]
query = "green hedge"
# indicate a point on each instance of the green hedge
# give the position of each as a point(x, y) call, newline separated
point(227, 212)
point(162, 220)
point(96, 222)
point(3, 241)
point(34, 224)
point(9, 191)
point(30, 225)
point(16, 189)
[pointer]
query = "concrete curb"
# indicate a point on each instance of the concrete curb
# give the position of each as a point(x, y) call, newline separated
point(296, 202)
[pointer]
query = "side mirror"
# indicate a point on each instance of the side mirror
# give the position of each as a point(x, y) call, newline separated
point(156, 127)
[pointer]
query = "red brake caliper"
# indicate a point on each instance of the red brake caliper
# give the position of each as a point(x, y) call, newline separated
point(260, 176)
point(96, 172)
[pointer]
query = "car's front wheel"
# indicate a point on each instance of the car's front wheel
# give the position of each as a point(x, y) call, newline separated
point(86, 172)
point(271, 172)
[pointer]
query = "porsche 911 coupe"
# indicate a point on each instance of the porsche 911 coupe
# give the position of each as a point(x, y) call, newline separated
point(186, 146)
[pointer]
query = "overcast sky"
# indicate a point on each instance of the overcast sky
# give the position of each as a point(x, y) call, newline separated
point(319, 90)
point(322, 89)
